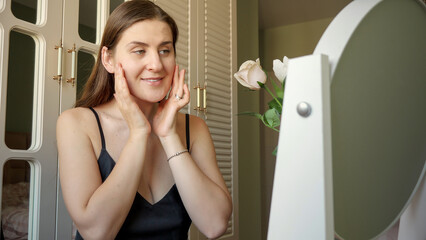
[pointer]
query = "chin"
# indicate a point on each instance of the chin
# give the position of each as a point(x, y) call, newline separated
point(150, 96)
point(152, 99)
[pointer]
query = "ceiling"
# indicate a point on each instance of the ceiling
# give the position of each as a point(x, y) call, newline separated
point(274, 13)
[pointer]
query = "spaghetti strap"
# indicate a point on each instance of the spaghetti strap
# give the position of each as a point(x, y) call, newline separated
point(187, 131)
point(100, 127)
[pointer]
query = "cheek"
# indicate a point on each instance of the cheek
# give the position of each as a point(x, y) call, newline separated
point(130, 69)
point(171, 64)
point(170, 67)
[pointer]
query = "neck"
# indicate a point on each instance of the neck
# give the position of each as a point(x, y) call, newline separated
point(149, 109)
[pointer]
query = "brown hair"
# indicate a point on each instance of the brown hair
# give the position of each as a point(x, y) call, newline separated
point(99, 88)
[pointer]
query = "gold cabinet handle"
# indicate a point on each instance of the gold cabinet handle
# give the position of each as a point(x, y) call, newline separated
point(205, 98)
point(72, 79)
point(199, 89)
point(198, 97)
point(58, 76)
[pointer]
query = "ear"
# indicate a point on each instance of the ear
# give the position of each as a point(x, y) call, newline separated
point(107, 60)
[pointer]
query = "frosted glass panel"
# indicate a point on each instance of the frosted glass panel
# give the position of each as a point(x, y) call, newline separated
point(114, 4)
point(20, 91)
point(87, 20)
point(85, 64)
point(15, 199)
point(25, 10)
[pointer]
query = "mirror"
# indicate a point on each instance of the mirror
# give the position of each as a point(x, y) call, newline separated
point(365, 87)
point(378, 116)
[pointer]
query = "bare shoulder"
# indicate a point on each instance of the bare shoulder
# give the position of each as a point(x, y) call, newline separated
point(199, 131)
point(75, 120)
point(74, 117)
point(198, 124)
point(73, 114)
point(77, 129)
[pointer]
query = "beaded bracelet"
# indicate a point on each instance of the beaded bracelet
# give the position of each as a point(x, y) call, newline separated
point(177, 154)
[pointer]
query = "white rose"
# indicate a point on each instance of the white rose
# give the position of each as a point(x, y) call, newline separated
point(250, 73)
point(280, 68)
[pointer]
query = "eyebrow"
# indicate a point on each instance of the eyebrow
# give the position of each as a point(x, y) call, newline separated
point(145, 44)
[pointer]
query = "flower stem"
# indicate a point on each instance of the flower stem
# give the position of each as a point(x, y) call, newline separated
point(269, 91)
point(276, 130)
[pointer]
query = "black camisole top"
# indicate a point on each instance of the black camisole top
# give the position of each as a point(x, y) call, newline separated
point(165, 219)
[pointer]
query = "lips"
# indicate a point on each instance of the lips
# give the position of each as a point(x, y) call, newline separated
point(152, 79)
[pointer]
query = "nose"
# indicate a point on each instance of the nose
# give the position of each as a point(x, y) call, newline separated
point(154, 62)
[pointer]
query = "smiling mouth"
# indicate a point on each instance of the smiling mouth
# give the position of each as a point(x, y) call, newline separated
point(152, 79)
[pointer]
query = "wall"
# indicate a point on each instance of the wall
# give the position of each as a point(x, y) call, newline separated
point(248, 127)
point(292, 40)
point(275, 43)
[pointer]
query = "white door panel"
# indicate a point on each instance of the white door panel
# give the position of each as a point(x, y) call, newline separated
point(41, 154)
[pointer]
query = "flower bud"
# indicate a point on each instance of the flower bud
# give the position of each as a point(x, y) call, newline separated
point(280, 68)
point(250, 73)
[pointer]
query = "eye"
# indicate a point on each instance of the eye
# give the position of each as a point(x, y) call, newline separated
point(164, 51)
point(139, 51)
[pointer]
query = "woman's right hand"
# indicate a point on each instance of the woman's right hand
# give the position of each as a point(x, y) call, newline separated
point(130, 110)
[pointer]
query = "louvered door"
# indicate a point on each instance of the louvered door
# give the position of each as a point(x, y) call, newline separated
point(206, 49)
point(179, 10)
point(216, 63)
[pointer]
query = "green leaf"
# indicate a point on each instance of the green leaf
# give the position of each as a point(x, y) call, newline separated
point(272, 118)
point(274, 105)
point(261, 84)
point(275, 151)
point(278, 90)
point(257, 115)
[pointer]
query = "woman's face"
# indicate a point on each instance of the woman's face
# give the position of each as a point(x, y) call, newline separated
point(146, 53)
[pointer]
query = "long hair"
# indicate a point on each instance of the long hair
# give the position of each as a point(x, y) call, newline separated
point(99, 88)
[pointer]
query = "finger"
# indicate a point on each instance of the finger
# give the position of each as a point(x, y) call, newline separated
point(180, 83)
point(119, 100)
point(185, 96)
point(181, 78)
point(175, 80)
point(186, 93)
point(117, 78)
point(120, 81)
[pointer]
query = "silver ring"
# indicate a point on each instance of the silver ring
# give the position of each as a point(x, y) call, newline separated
point(177, 97)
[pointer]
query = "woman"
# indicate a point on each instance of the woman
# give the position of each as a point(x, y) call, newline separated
point(131, 165)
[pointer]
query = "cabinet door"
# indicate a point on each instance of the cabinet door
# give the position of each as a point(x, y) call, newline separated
point(219, 64)
point(206, 48)
point(29, 108)
point(216, 64)
point(83, 24)
point(81, 37)
point(182, 12)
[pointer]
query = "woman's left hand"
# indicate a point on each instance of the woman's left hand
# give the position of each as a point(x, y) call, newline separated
point(164, 122)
